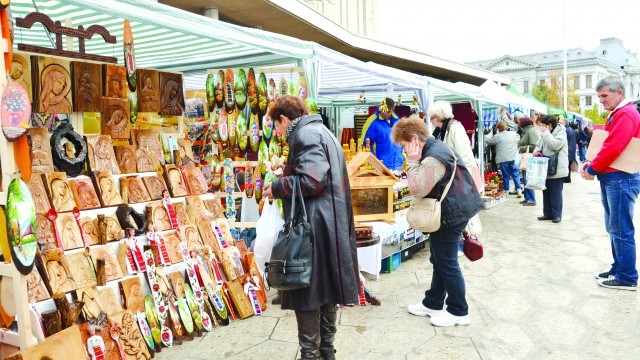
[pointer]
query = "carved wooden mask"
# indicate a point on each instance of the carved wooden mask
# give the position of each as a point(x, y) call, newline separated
point(85, 194)
point(126, 158)
point(21, 71)
point(115, 81)
point(39, 193)
point(148, 90)
point(52, 85)
point(100, 154)
point(36, 289)
point(57, 273)
point(113, 270)
point(171, 94)
point(110, 301)
point(69, 231)
point(133, 294)
point(41, 160)
point(133, 190)
point(109, 194)
point(155, 185)
point(158, 216)
point(59, 191)
point(87, 87)
point(115, 118)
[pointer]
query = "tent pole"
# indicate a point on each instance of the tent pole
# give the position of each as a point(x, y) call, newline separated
point(480, 140)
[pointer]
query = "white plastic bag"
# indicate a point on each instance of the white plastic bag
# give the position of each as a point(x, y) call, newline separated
point(537, 172)
point(474, 226)
point(267, 229)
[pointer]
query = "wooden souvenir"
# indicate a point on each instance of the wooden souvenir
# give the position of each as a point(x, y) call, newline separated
point(52, 322)
point(186, 148)
point(130, 337)
point(69, 150)
point(149, 94)
point(111, 348)
point(41, 160)
point(196, 181)
point(181, 213)
point(215, 296)
point(215, 207)
point(115, 118)
point(69, 312)
point(262, 93)
point(84, 194)
point(21, 72)
point(93, 309)
point(109, 228)
point(225, 228)
point(196, 306)
point(157, 215)
point(172, 241)
point(36, 289)
point(210, 93)
point(158, 298)
point(133, 190)
point(371, 190)
point(126, 158)
point(147, 150)
point(45, 233)
point(112, 267)
point(171, 94)
point(101, 272)
point(240, 300)
point(20, 224)
point(197, 211)
point(109, 301)
point(46, 121)
point(178, 283)
point(100, 154)
point(129, 57)
point(115, 81)
point(257, 280)
point(158, 245)
point(39, 193)
point(65, 345)
point(208, 236)
point(192, 237)
point(218, 84)
point(81, 267)
point(155, 186)
point(152, 320)
point(252, 91)
point(51, 85)
point(133, 294)
point(145, 330)
point(68, 231)
point(175, 181)
point(87, 87)
point(59, 191)
point(89, 229)
point(109, 195)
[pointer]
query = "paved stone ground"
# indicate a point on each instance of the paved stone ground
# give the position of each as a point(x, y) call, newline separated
point(533, 296)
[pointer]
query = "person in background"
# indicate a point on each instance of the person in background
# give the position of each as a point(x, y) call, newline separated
point(506, 143)
point(430, 168)
point(571, 146)
point(528, 143)
point(508, 119)
point(379, 135)
point(553, 139)
point(619, 190)
point(581, 139)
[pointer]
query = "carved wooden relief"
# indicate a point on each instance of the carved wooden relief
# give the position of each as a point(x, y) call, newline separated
point(109, 194)
point(132, 341)
point(192, 237)
point(100, 154)
point(45, 233)
point(133, 294)
point(175, 181)
point(163, 280)
point(115, 118)
point(148, 90)
point(224, 226)
point(171, 94)
point(36, 289)
point(21, 71)
point(181, 213)
point(147, 150)
point(51, 85)
point(158, 216)
point(109, 228)
point(64, 345)
point(186, 148)
point(240, 300)
point(87, 86)
point(105, 252)
point(39, 193)
point(173, 246)
point(196, 210)
point(155, 185)
point(82, 270)
point(111, 351)
point(57, 274)
point(90, 230)
point(133, 190)
point(93, 309)
point(126, 158)
point(110, 301)
point(208, 236)
point(215, 207)
point(69, 231)
point(59, 191)
point(115, 81)
point(178, 283)
point(41, 160)
point(84, 194)
point(196, 181)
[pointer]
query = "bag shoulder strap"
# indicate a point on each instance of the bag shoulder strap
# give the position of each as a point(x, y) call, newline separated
point(453, 175)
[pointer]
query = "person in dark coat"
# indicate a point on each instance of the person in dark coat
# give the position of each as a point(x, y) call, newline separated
point(571, 144)
point(317, 161)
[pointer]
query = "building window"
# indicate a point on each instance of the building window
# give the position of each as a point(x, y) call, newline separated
point(525, 86)
point(576, 82)
point(588, 102)
point(589, 85)
point(553, 83)
point(541, 82)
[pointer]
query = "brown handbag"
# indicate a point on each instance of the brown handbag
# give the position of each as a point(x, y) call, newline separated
point(472, 247)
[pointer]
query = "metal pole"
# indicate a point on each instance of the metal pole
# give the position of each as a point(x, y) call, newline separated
point(564, 36)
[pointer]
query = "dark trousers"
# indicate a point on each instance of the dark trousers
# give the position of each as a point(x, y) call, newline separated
point(447, 277)
point(552, 198)
point(316, 332)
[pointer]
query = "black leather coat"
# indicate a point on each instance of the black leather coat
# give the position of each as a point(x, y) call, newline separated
point(317, 159)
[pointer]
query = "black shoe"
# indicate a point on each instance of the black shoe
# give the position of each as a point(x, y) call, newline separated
point(541, 218)
point(276, 300)
point(556, 220)
point(522, 202)
point(603, 275)
point(513, 192)
point(614, 283)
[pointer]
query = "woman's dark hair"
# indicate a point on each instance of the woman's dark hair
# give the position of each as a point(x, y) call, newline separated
point(550, 120)
point(524, 122)
point(290, 106)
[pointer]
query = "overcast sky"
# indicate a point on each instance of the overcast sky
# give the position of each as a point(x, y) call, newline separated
point(469, 30)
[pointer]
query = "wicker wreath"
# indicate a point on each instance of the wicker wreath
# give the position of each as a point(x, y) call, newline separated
point(62, 158)
point(125, 212)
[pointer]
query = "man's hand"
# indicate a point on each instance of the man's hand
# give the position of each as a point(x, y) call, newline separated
point(588, 176)
point(584, 173)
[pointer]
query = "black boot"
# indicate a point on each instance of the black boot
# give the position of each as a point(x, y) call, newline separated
point(277, 300)
point(309, 334)
point(328, 315)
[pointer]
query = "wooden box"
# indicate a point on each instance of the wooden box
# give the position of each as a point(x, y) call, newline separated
point(371, 188)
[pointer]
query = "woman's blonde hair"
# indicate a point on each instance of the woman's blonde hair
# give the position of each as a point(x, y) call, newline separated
point(502, 126)
point(404, 129)
point(441, 109)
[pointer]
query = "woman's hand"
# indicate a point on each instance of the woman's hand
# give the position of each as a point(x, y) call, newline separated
point(537, 153)
point(413, 150)
point(266, 192)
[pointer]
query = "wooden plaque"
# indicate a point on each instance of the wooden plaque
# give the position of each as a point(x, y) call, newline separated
point(133, 190)
point(109, 194)
point(21, 72)
point(131, 338)
point(208, 236)
point(158, 216)
point(57, 274)
point(100, 154)
point(196, 181)
point(45, 233)
point(65, 345)
point(110, 301)
point(148, 90)
point(215, 207)
point(186, 148)
point(173, 246)
point(39, 193)
point(171, 94)
point(82, 270)
point(36, 289)
point(93, 306)
point(155, 186)
point(115, 81)
point(147, 150)
point(133, 294)
point(109, 227)
point(113, 271)
point(51, 85)
point(59, 191)
point(41, 160)
point(87, 87)
point(181, 213)
point(90, 230)
point(84, 194)
point(126, 158)
point(196, 210)
point(178, 283)
point(115, 118)
point(192, 237)
point(175, 181)
point(69, 231)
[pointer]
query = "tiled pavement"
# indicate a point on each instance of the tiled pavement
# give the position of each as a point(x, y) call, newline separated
point(533, 296)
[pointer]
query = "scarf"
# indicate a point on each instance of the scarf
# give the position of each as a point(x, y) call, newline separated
point(441, 132)
point(292, 127)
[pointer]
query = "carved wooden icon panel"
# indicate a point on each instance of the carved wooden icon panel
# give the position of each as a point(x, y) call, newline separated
point(215, 207)
point(69, 231)
point(51, 85)
point(90, 230)
point(87, 87)
point(45, 233)
point(21, 72)
point(147, 150)
point(191, 235)
point(208, 236)
point(126, 158)
point(163, 280)
point(110, 301)
point(100, 154)
point(196, 210)
point(181, 213)
point(57, 273)
point(84, 194)
point(158, 216)
point(197, 182)
point(115, 81)
point(41, 160)
point(175, 181)
point(155, 186)
point(82, 269)
point(93, 307)
point(177, 279)
point(112, 268)
point(131, 338)
point(60, 193)
point(64, 345)
point(115, 118)
point(109, 194)
point(39, 193)
point(132, 292)
point(109, 227)
point(186, 148)
point(171, 94)
point(148, 90)
point(173, 246)
point(133, 190)
point(36, 289)
point(111, 351)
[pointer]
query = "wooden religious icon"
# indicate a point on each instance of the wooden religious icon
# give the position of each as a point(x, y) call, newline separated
point(56, 272)
point(45, 233)
point(109, 195)
point(155, 185)
point(181, 213)
point(175, 181)
point(81, 267)
point(51, 85)
point(115, 118)
point(93, 309)
point(192, 237)
point(186, 148)
point(90, 230)
point(171, 94)
point(158, 216)
point(208, 236)
point(59, 191)
point(110, 347)
point(112, 267)
point(115, 81)
point(215, 207)
point(147, 150)
point(41, 160)
point(84, 194)
point(109, 228)
point(196, 181)
point(68, 231)
point(173, 246)
point(178, 283)
point(65, 345)
point(149, 94)
point(87, 86)
point(39, 193)
point(21, 71)
point(197, 210)
point(132, 292)
point(128, 336)
point(126, 158)
point(109, 301)
point(133, 190)
point(100, 154)
point(36, 289)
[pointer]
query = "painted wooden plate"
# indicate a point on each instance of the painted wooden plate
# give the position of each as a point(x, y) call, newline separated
point(262, 93)
point(263, 155)
point(4, 240)
point(292, 88)
point(15, 111)
point(254, 132)
point(248, 181)
point(129, 57)
point(223, 126)
point(193, 306)
point(243, 141)
point(185, 315)
point(145, 330)
point(282, 89)
point(302, 89)
point(21, 223)
point(229, 96)
point(218, 88)
point(240, 89)
point(211, 91)
point(267, 124)
point(252, 91)
point(232, 126)
point(152, 318)
point(274, 149)
point(272, 92)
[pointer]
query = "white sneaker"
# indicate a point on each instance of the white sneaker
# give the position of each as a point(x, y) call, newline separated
point(460, 253)
point(447, 319)
point(421, 310)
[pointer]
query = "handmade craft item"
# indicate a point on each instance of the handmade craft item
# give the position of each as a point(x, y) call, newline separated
point(39, 193)
point(157, 242)
point(146, 150)
point(154, 322)
point(155, 186)
point(196, 181)
point(203, 318)
point(95, 345)
point(267, 124)
point(133, 190)
point(36, 289)
point(51, 85)
point(228, 188)
point(129, 56)
point(89, 230)
point(274, 150)
point(282, 89)
point(41, 160)
point(21, 222)
point(101, 155)
point(171, 94)
point(112, 267)
point(109, 228)
point(181, 213)
point(149, 90)
point(175, 181)
point(115, 79)
point(242, 133)
point(125, 331)
point(21, 71)
point(185, 313)
point(109, 195)
point(178, 283)
point(254, 132)
point(158, 216)
point(255, 277)
point(232, 119)
point(257, 184)
point(171, 212)
point(132, 293)
point(93, 308)
point(45, 121)
point(81, 268)
point(208, 236)
point(56, 272)
point(214, 206)
point(4, 244)
point(172, 241)
point(196, 210)
point(240, 89)
point(210, 93)
point(64, 345)
point(218, 83)
point(240, 300)
point(84, 194)
point(69, 150)
point(51, 322)
point(59, 191)
point(214, 293)
point(111, 348)
point(158, 300)
point(126, 158)
point(262, 93)
point(302, 90)
point(134, 253)
point(250, 292)
point(87, 87)
point(69, 312)
point(216, 177)
point(114, 332)
point(252, 91)
point(145, 330)
point(192, 237)
point(68, 231)
point(223, 126)
point(109, 301)
point(115, 118)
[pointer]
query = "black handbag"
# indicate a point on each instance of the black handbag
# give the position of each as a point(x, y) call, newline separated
point(552, 167)
point(291, 261)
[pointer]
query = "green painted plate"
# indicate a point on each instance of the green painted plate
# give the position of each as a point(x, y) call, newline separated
point(262, 93)
point(152, 319)
point(193, 306)
point(240, 88)
point(21, 225)
point(252, 91)
point(185, 315)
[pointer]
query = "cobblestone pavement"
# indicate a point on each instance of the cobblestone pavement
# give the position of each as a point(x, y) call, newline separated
point(533, 296)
